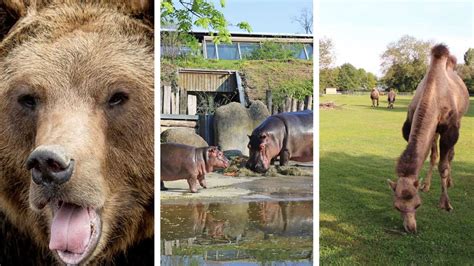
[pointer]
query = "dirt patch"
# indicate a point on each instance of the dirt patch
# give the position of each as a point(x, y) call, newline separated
point(327, 105)
point(237, 168)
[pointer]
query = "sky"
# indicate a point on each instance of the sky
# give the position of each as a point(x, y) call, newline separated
point(361, 30)
point(269, 16)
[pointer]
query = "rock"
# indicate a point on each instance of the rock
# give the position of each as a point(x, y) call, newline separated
point(184, 136)
point(233, 123)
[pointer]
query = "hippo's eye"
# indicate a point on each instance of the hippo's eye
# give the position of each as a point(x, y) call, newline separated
point(27, 100)
point(118, 98)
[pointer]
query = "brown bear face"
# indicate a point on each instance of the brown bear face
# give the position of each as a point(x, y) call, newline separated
point(76, 142)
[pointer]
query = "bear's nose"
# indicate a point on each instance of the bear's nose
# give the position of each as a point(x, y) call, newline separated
point(49, 165)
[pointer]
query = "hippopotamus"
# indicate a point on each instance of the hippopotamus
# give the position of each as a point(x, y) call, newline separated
point(179, 161)
point(288, 135)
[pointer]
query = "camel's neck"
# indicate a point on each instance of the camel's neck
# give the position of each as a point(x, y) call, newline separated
point(423, 130)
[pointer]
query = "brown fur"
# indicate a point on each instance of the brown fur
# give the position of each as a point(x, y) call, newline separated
point(72, 57)
point(374, 96)
point(440, 101)
point(391, 98)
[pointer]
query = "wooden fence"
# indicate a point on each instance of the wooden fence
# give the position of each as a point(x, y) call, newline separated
point(289, 104)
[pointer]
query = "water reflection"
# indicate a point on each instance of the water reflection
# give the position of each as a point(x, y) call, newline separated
point(231, 221)
point(277, 232)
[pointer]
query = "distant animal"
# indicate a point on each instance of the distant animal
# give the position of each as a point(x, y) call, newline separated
point(288, 135)
point(436, 110)
point(391, 99)
point(179, 161)
point(374, 96)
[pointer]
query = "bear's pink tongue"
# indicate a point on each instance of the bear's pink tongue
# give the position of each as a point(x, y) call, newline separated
point(71, 229)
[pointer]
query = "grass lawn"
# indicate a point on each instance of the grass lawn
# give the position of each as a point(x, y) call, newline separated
point(359, 146)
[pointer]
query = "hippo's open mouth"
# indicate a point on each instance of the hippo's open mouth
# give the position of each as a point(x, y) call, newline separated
point(75, 232)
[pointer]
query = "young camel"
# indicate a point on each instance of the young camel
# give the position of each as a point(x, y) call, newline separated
point(374, 96)
point(440, 101)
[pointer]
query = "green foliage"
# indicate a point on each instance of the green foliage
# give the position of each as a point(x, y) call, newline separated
point(328, 78)
point(405, 62)
point(184, 14)
point(274, 50)
point(296, 88)
point(469, 57)
point(466, 72)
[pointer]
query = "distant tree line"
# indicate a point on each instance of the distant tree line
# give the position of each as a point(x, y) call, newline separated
point(344, 77)
point(404, 63)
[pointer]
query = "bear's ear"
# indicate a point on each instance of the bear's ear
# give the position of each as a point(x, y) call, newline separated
point(145, 7)
point(10, 12)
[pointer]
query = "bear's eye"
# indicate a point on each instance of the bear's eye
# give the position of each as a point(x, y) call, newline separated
point(29, 101)
point(118, 98)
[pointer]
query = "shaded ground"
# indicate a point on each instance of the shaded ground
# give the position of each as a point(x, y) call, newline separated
point(359, 146)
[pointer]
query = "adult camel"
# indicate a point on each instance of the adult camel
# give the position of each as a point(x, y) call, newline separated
point(391, 98)
point(374, 96)
point(435, 112)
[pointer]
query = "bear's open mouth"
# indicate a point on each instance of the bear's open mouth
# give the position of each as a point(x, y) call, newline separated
point(75, 232)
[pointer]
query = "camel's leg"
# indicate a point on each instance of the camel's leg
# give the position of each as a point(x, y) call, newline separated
point(434, 155)
point(406, 129)
point(377, 102)
point(446, 145)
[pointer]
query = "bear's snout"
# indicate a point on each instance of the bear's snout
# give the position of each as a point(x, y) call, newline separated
point(50, 165)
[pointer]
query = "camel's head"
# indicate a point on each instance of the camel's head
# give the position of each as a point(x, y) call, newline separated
point(406, 200)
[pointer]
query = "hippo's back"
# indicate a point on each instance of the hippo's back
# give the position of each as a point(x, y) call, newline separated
point(176, 161)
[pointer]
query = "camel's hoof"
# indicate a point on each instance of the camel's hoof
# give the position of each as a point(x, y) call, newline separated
point(449, 183)
point(425, 188)
point(445, 205)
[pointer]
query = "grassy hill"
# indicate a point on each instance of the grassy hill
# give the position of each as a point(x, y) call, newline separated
point(258, 75)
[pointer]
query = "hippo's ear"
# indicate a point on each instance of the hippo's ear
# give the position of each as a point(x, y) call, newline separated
point(212, 151)
point(392, 184)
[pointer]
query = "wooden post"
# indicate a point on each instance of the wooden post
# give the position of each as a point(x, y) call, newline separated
point(183, 101)
point(287, 106)
point(269, 101)
point(274, 109)
point(300, 105)
point(192, 104)
point(294, 104)
point(175, 102)
point(166, 100)
point(309, 102)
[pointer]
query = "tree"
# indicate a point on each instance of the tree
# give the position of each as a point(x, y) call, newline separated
point(272, 50)
point(184, 14)
point(469, 57)
point(404, 63)
point(305, 19)
point(466, 71)
point(326, 53)
point(348, 77)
